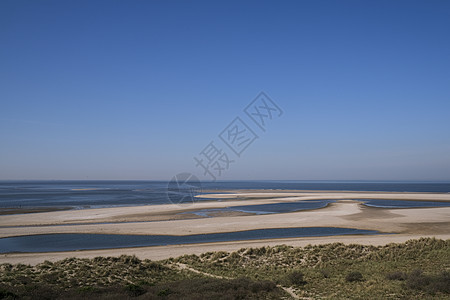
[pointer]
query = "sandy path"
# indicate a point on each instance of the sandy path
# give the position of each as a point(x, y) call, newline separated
point(181, 266)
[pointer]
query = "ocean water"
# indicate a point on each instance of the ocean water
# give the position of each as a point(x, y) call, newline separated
point(92, 194)
point(78, 241)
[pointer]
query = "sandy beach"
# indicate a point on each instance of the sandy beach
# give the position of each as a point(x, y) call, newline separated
point(399, 224)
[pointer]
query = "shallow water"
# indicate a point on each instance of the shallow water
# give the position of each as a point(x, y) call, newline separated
point(382, 203)
point(75, 241)
point(276, 208)
point(272, 208)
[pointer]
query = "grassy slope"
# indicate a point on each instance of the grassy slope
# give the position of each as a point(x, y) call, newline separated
point(245, 274)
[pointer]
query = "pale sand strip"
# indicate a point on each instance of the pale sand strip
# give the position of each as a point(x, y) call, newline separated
point(164, 252)
point(345, 213)
point(333, 195)
point(118, 214)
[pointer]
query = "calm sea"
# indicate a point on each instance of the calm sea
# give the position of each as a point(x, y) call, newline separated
point(91, 194)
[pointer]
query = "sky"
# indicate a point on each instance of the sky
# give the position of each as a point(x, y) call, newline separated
point(136, 89)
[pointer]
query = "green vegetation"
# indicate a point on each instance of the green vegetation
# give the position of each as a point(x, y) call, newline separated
point(417, 269)
point(296, 278)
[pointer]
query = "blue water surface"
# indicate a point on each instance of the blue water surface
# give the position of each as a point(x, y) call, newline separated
point(80, 241)
point(92, 194)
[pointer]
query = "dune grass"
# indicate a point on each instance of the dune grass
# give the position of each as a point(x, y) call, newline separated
point(417, 269)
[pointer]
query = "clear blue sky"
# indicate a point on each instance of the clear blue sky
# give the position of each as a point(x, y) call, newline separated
point(135, 89)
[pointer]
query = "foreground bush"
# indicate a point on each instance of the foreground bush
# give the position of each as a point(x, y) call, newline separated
point(354, 276)
point(296, 278)
point(429, 283)
point(204, 288)
point(396, 276)
point(210, 288)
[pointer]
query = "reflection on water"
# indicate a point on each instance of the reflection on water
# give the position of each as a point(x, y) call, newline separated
point(261, 209)
point(382, 203)
point(276, 208)
point(75, 241)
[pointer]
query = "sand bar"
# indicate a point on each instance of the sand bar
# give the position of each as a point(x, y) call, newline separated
point(165, 219)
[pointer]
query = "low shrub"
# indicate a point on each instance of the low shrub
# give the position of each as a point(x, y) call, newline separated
point(296, 278)
point(354, 276)
point(7, 295)
point(431, 284)
point(135, 290)
point(396, 276)
point(325, 273)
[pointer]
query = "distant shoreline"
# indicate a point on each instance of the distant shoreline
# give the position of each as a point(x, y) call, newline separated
point(211, 195)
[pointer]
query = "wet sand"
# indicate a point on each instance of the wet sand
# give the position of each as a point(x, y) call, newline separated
point(18, 210)
point(166, 219)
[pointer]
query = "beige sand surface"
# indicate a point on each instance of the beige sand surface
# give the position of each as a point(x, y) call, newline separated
point(345, 213)
point(171, 211)
point(166, 219)
point(328, 195)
